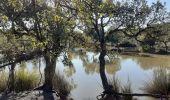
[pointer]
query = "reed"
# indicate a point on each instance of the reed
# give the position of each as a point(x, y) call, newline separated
point(3, 81)
point(160, 84)
point(25, 80)
point(118, 88)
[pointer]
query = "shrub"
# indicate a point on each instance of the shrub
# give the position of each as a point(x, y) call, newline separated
point(3, 81)
point(25, 80)
point(160, 84)
point(118, 88)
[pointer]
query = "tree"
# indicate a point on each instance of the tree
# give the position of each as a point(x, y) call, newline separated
point(46, 26)
point(93, 17)
point(163, 35)
point(115, 38)
point(138, 17)
point(132, 18)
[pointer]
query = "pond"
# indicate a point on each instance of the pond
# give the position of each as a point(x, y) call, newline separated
point(84, 74)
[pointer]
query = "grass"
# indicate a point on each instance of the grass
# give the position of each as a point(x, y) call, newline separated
point(118, 88)
point(24, 80)
point(127, 89)
point(160, 84)
point(3, 81)
point(115, 83)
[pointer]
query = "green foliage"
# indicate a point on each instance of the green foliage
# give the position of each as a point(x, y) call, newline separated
point(34, 25)
point(91, 15)
point(115, 38)
point(127, 44)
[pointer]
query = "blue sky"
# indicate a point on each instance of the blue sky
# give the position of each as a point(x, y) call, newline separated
point(167, 3)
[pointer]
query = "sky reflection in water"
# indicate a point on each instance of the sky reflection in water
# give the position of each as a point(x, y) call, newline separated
point(85, 72)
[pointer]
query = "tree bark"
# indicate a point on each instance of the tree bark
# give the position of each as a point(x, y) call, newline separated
point(12, 78)
point(102, 65)
point(49, 72)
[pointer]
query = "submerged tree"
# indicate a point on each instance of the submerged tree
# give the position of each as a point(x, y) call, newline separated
point(132, 18)
point(93, 18)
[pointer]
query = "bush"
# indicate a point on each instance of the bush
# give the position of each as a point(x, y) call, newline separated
point(118, 88)
point(162, 51)
point(147, 48)
point(160, 84)
point(3, 81)
point(127, 44)
point(25, 80)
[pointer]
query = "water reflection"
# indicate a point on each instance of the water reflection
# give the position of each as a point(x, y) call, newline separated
point(69, 71)
point(91, 63)
point(156, 61)
point(84, 74)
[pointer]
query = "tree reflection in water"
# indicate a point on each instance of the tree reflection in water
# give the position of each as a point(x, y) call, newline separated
point(91, 62)
point(150, 62)
point(85, 70)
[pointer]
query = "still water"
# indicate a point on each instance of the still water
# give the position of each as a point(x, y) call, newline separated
point(84, 74)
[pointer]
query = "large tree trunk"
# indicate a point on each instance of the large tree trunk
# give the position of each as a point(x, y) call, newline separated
point(49, 72)
point(102, 65)
point(11, 78)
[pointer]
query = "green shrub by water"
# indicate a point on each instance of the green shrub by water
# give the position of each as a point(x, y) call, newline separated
point(3, 81)
point(118, 88)
point(160, 84)
point(24, 80)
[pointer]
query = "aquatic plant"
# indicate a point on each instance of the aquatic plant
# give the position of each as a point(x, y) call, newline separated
point(115, 83)
point(24, 80)
point(160, 84)
point(118, 88)
point(127, 89)
point(3, 81)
